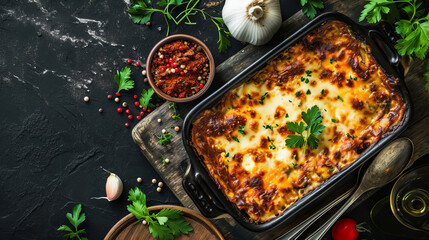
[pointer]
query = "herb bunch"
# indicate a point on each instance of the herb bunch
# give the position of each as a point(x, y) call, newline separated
point(75, 218)
point(307, 130)
point(411, 19)
point(141, 13)
point(166, 224)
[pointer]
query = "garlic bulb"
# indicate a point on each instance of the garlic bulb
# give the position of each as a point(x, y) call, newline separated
point(114, 187)
point(252, 21)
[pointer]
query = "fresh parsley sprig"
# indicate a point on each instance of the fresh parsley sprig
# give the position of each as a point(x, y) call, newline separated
point(146, 96)
point(307, 133)
point(309, 7)
point(166, 224)
point(122, 78)
point(141, 13)
point(75, 218)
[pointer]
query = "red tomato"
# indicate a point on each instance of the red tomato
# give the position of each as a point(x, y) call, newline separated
point(345, 229)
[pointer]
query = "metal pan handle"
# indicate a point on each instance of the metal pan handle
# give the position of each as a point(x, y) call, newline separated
point(385, 37)
point(198, 191)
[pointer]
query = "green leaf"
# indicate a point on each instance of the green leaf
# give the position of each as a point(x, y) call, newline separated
point(416, 42)
point(309, 7)
point(312, 141)
point(224, 42)
point(179, 226)
point(146, 96)
point(295, 141)
point(64, 228)
point(374, 9)
point(219, 19)
point(138, 207)
point(123, 80)
point(141, 12)
point(160, 231)
point(162, 220)
point(170, 213)
point(296, 127)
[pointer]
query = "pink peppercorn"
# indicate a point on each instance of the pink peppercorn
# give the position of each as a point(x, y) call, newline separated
point(130, 117)
point(128, 60)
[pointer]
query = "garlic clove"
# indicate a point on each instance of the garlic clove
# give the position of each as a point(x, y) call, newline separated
point(114, 187)
point(252, 21)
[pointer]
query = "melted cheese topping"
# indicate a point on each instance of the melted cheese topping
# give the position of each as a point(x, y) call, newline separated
point(242, 138)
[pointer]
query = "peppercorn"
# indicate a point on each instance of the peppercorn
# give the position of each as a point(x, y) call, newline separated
point(160, 184)
point(139, 179)
point(148, 110)
point(127, 124)
point(181, 48)
point(128, 60)
point(159, 120)
point(127, 111)
point(137, 64)
point(176, 128)
point(136, 104)
point(109, 96)
point(201, 85)
point(130, 117)
point(141, 113)
point(100, 110)
point(144, 72)
point(158, 189)
point(116, 99)
point(119, 110)
point(118, 94)
point(124, 104)
point(154, 180)
point(135, 97)
point(138, 117)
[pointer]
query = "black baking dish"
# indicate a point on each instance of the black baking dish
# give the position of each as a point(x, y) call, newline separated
point(201, 187)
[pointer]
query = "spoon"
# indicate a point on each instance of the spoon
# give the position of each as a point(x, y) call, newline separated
point(388, 164)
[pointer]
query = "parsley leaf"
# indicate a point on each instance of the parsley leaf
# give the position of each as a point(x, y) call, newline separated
point(241, 130)
point(141, 11)
point(235, 139)
point(313, 128)
point(261, 101)
point(146, 96)
point(122, 78)
point(75, 218)
point(309, 7)
point(165, 224)
point(268, 126)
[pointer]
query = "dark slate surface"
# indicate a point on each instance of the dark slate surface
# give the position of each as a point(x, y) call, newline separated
point(52, 143)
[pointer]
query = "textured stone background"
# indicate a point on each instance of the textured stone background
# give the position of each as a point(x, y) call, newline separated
point(52, 143)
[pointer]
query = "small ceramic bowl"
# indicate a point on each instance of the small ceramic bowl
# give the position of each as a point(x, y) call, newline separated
point(173, 38)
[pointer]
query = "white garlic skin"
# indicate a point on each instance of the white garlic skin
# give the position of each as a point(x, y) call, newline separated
point(114, 187)
point(243, 27)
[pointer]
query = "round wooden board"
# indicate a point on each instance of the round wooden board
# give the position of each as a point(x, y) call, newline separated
point(126, 229)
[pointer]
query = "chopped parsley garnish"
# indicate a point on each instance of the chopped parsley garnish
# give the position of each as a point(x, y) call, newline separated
point(241, 129)
point(308, 92)
point(294, 164)
point(338, 48)
point(328, 165)
point(331, 169)
point(227, 154)
point(248, 95)
point(164, 138)
point(305, 184)
point(350, 135)
point(233, 157)
point(312, 118)
point(272, 146)
point(308, 72)
point(298, 93)
point(302, 79)
point(333, 120)
point(235, 139)
point(287, 115)
point(294, 156)
point(263, 98)
point(268, 126)
point(332, 60)
point(290, 101)
point(323, 91)
point(340, 98)
point(232, 106)
point(306, 80)
point(351, 78)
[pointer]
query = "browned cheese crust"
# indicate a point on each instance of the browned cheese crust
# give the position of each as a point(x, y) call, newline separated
point(241, 139)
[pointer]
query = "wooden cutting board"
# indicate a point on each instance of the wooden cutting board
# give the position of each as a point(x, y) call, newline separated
point(128, 229)
point(144, 134)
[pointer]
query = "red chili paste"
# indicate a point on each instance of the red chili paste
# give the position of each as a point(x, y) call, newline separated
point(180, 69)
